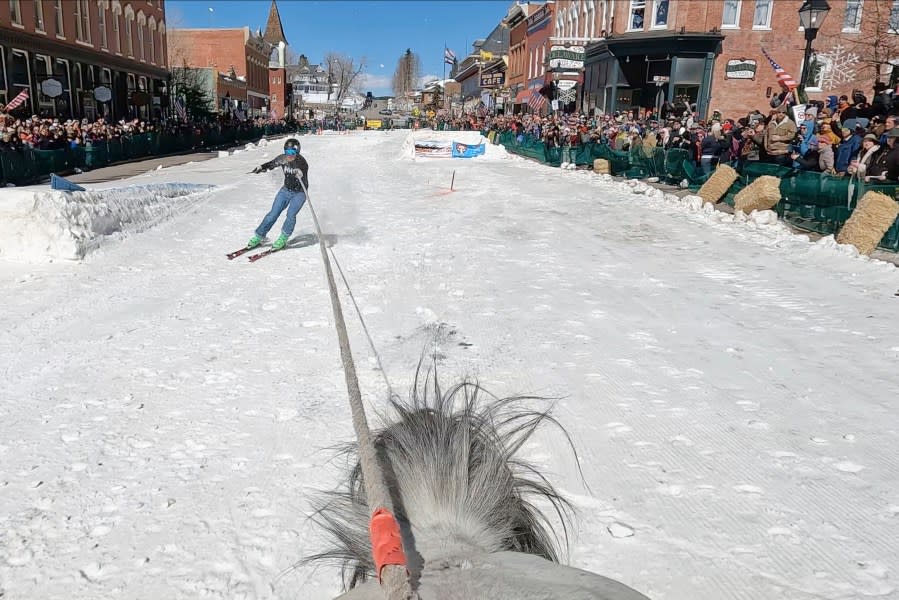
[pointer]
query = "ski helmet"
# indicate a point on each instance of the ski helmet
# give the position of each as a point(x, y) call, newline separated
point(292, 144)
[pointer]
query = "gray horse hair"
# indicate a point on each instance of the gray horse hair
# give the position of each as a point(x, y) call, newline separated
point(458, 486)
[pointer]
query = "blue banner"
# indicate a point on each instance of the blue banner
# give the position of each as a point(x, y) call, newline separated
point(467, 150)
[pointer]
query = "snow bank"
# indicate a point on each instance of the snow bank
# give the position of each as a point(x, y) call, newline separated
point(444, 140)
point(46, 225)
point(763, 226)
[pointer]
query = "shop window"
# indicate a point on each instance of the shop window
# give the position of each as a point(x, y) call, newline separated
point(637, 14)
point(730, 17)
point(762, 17)
point(894, 17)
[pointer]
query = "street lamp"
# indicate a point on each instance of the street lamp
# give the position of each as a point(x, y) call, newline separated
point(811, 16)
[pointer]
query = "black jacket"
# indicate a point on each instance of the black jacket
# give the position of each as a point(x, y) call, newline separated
point(292, 166)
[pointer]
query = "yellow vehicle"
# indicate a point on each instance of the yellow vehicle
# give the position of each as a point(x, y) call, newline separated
point(373, 124)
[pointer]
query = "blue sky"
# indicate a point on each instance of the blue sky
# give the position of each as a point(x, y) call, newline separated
point(378, 30)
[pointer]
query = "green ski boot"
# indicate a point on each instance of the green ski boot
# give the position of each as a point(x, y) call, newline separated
point(254, 241)
point(280, 242)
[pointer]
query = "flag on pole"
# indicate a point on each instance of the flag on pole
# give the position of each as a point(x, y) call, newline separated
point(449, 57)
point(536, 101)
point(18, 100)
point(783, 78)
point(179, 108)
point(485, 55)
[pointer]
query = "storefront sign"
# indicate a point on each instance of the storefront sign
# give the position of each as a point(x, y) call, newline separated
point(52, 88)
point(661, 78)
point(566, 84)
point(102, 93)
point(566, 57)
point(741, 68)
point(493, 79)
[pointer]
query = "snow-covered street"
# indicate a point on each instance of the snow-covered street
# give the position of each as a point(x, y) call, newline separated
point(731, 388)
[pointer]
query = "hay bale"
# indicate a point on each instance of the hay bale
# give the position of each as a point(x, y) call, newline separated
point(718, 184)
point(602, 166)
point(761, 194)
point(870, 220)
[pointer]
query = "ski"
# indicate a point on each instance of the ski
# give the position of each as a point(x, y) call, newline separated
point(236, 253)
point(256, 257)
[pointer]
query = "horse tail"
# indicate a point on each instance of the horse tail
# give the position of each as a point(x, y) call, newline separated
point(458, 485)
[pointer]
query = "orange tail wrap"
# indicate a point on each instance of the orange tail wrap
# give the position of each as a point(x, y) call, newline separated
point(386, 541)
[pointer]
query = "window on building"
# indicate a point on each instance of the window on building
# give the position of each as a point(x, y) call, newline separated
point(152, 46)
point(730, 17)
point(101, 25)
point(140, 41)
point(39, 16)
point(3, 82)
point(60, 32)
point(818, 70)
point(762, 17)
point(129, 41)
point(852, 19)
point(15, 12)
point(638, 10)
point(894, 16)
point(82, 21)
point(115, 33)
point(660, 13)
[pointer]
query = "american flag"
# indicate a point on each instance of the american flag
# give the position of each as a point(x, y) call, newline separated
point(783, 78)
point(448, 56)
point(536, 101)
point(18, 100)
point(179, 108)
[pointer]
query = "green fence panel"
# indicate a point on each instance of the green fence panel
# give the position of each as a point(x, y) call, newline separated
point(890, 240)
point(96, 154)
point(17, 166)
point(674, 165)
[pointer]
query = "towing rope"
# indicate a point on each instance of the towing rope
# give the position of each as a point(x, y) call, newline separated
point(384, 531)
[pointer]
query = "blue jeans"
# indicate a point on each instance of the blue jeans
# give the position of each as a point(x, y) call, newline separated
point(293, 202)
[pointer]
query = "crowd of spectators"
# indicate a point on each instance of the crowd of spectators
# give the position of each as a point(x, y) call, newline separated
point(51, 133)
point(845, 135)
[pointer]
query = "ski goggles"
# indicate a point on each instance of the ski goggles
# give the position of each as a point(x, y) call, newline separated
point(290, 151)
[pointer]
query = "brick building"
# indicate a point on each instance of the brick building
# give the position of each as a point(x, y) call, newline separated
point(640, 53)
point(85, 58)
point(278, 86)
point(516, 22)
point(539, 26)
point(226, 50)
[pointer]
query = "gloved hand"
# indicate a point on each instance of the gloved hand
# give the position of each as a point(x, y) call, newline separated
point(257, 170)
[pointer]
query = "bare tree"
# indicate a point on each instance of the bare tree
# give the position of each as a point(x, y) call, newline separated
point(343, 71)
point(407, 74)
point(875, 47)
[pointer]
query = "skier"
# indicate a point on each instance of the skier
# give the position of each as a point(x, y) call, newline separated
point(291, 195)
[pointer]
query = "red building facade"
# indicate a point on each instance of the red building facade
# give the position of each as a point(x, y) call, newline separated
point(85, 58)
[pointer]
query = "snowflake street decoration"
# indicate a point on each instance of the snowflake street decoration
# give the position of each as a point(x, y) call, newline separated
point(840, 66)
point(567, 95)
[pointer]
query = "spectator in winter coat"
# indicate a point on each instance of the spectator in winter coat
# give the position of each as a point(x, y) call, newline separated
point(825, 154)
point(863, 166)
point(848, 148)
point(891, 161)
point(808, 161)
point(779, 135)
